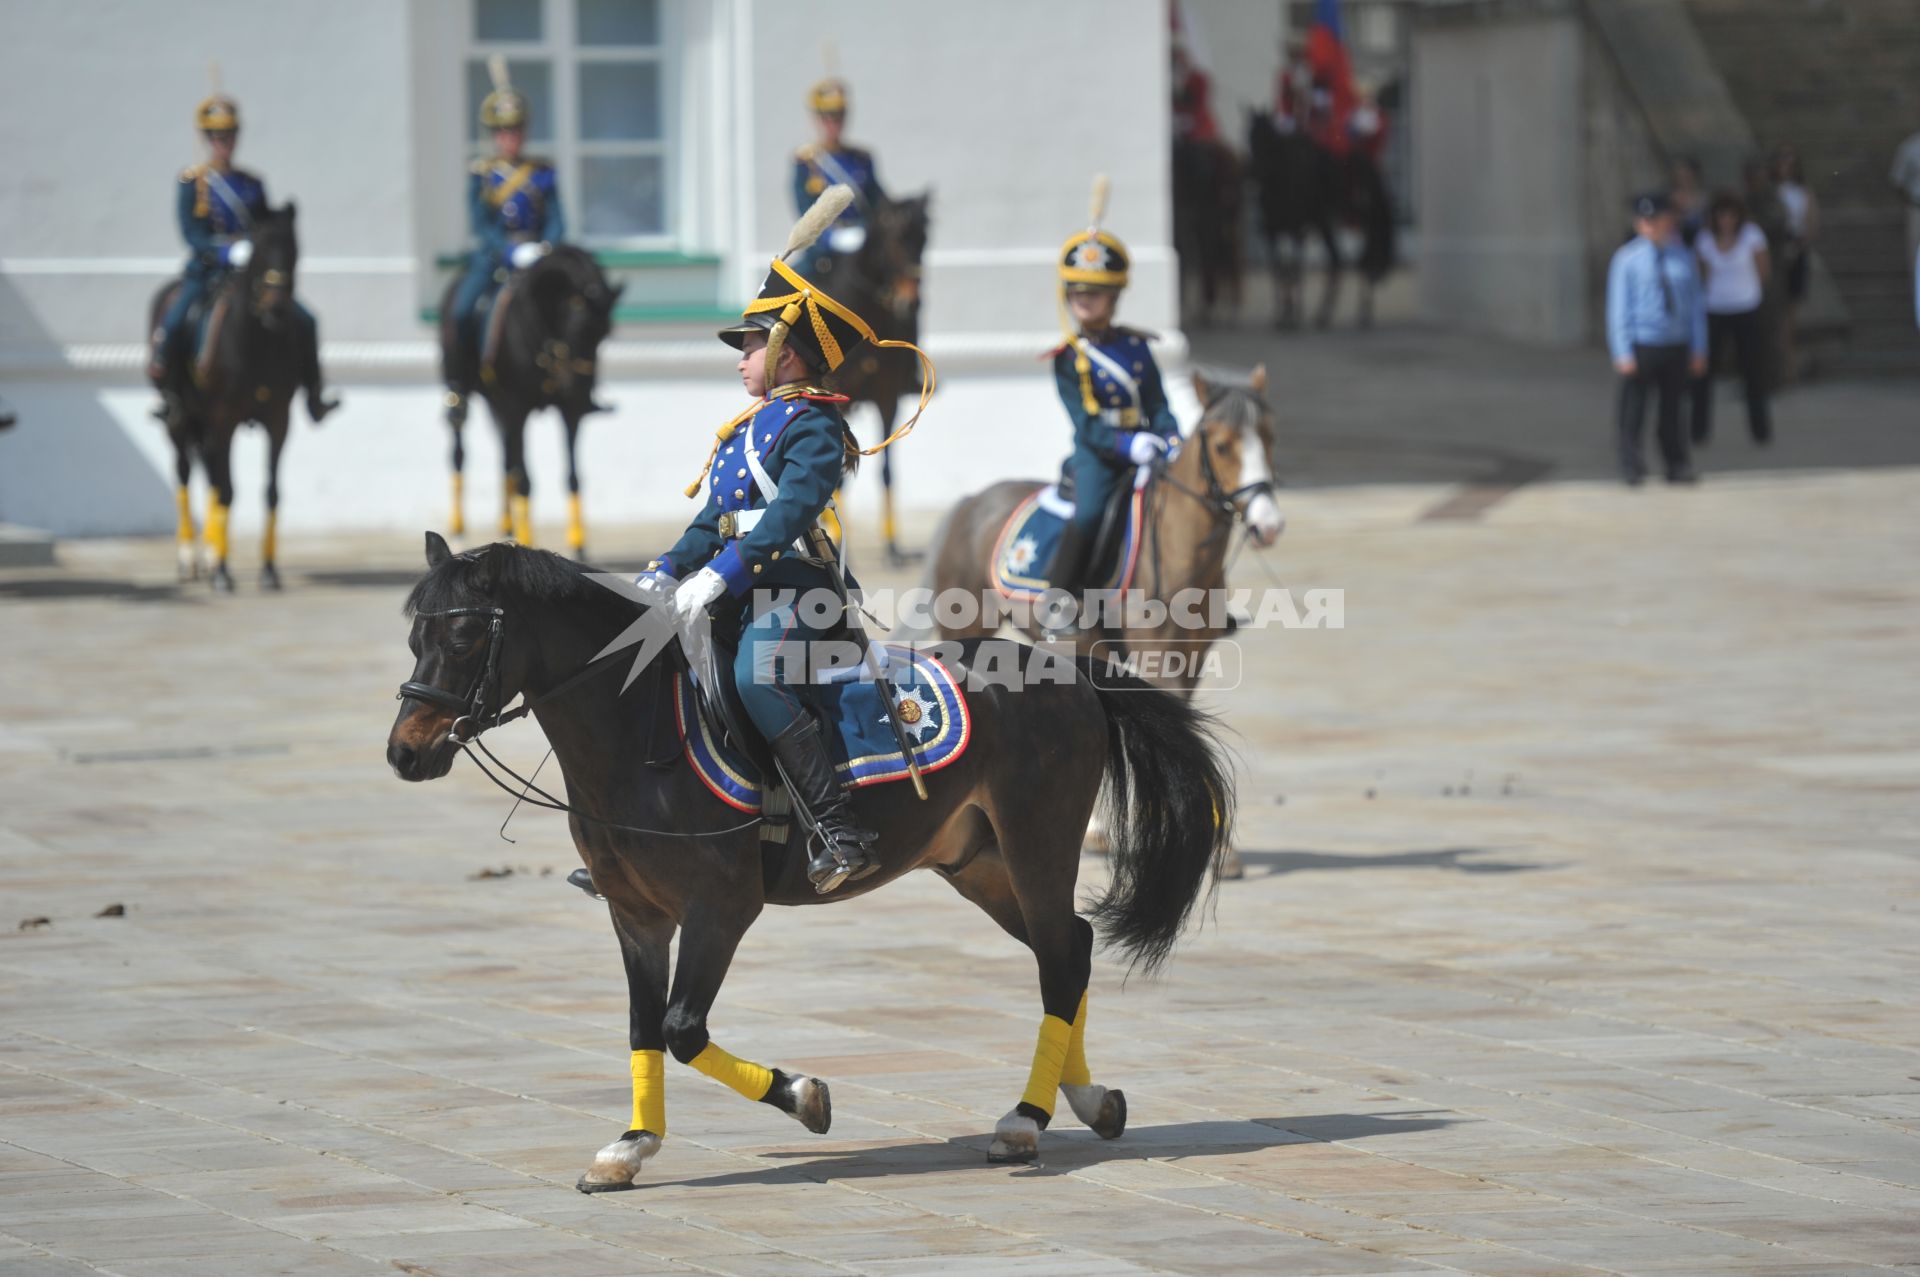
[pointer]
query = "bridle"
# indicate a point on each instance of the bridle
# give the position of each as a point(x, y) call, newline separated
point(472, 718)
point(1226, 506)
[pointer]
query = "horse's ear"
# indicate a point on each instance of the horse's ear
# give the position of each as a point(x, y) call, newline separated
point(493, 565)
point(1201, 390)
point(1259, 379)
point(290, 210)
point(438, 551)
point(618, 288)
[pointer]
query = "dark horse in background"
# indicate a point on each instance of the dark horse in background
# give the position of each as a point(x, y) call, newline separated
point(1002, 824)
point(1305, 190)
point(1207, 226)
point(242, 364)
point(881, 283)
point(540, 348)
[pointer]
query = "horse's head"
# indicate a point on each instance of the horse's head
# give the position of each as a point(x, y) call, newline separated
point(269, 274)
point(576, 305)
point(1234, 442)
point(896, 242)
point(466, 664)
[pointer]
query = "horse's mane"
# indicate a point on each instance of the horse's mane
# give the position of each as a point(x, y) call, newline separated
point(506, 573)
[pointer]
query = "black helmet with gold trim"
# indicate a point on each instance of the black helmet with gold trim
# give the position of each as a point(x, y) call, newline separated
point(1094, 258)
point(828, 97)
point(217, 114)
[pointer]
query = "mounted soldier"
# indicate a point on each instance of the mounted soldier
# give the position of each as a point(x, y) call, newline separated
point(218, 207)
point(1110, 386)
point(513, 208)
point(756, 550)
point(831, 161)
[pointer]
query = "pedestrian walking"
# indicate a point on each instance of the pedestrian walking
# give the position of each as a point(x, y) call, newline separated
point(1657, 335)
point(1735, 261)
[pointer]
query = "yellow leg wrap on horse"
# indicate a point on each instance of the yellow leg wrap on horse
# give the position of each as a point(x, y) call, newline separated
point(522, 520)
point(750, 1079)
point(184, 501)
point(1075, 1073)
point(506, 508)
point(649, 1092)
point(217, 530)
point(270, 539)
point(458, 523)
point(888, 528)
point(1049, 1059)
point(576, 526)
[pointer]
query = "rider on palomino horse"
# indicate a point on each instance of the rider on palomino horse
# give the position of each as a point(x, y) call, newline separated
point(218, 205)
point(832, 162)
point(751, 549)
point(1110, 387)
point(513, 206)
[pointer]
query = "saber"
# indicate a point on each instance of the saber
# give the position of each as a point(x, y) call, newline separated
point(823, 549)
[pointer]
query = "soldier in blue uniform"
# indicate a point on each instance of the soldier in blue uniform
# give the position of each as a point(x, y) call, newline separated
point(216, 205)
point(832, 162)
point(1110, 387)
point(750, 550)
point(513, 206)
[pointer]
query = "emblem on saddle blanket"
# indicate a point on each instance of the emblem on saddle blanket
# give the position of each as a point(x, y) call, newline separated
point(931, 704)
point(1032, 533)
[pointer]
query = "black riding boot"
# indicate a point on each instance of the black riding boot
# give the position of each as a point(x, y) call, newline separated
point(840, 847)
point(1068, 572)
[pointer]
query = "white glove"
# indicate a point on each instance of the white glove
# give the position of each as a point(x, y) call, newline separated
point(846, 239)
point(239, 253)
point(698, 590)
point(525, 255)
point(1144, 447)
point(657, 587)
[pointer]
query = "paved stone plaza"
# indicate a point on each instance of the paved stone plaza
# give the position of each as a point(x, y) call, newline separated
point(1580, 931)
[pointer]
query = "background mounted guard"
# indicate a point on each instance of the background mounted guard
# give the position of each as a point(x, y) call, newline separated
point(1110, 386)
point(753, 550)
point(831, 161)
point(217, 206)
point(536, 343)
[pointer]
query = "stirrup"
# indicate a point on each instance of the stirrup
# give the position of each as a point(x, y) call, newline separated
point(839, 860)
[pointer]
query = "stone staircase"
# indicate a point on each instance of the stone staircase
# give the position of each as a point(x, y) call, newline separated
point(1840, 81)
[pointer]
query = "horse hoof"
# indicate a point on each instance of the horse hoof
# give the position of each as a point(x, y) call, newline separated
point(1104, 1112)
point(615, 1165)
point(269, 577)
point(1015, 1139)
point(221, 580)
point(812, 1104)
point(1229, 868)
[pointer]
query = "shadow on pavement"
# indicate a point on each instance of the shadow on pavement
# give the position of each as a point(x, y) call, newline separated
point(1457, 858)
point(1068, 1147)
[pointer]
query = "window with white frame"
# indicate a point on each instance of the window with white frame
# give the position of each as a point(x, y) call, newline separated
point(599, 85)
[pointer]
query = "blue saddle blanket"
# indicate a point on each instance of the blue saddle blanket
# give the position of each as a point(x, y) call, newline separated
point(933, 709)
point(1032, 534)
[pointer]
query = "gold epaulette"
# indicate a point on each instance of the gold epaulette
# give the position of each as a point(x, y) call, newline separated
point(192, 174)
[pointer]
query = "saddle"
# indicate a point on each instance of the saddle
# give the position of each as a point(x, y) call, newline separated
point(188, 356)
point(734, 764)
point(1032, 532)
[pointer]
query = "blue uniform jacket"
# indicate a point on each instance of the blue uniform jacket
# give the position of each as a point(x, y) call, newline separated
point(797, 436)
point(1127, 386)
point(815, 169)
point(513, 203)
point(215, 209)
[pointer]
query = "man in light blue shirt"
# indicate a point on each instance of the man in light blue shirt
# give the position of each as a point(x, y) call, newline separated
point(1657, 335)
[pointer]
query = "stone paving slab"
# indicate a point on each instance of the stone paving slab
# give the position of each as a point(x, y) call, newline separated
point(1580, 934)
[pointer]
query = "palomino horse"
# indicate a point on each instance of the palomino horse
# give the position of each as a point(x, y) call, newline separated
point(541, 349)
point(246, 368)
point(668, 855)
point(882, 282)
point(1304, 189)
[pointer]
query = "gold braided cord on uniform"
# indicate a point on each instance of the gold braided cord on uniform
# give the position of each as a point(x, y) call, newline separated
point(813, 302)
point(720, 437)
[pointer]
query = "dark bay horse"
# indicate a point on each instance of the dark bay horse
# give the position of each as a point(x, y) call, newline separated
point(1208, 189)
point(668, 856)
point(245, 369)
point(881, 283)
point(1306, 191)
point(540, 349)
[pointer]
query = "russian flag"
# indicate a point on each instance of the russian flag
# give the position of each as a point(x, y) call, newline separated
point(1327, 56)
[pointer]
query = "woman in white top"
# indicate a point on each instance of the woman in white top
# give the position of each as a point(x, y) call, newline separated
point(1733, 257)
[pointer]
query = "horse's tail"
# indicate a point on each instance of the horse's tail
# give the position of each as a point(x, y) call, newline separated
point(1168, 814)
